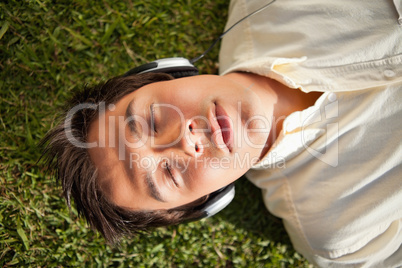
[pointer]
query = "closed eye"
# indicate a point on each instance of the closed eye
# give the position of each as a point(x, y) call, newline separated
point(169, 171)
point(153, 124)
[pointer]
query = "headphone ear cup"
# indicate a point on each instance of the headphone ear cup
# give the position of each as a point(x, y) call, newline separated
point(176, 67)
point(217, 201)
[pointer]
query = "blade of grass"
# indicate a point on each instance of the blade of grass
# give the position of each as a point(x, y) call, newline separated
point(4, 29)
point(109, 31)
point(78, 36)
point(22, 235)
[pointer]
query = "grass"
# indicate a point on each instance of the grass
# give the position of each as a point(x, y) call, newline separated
point(49, 49)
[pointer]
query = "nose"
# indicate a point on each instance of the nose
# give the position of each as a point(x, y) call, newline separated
point(187, 138)
point(193, 138)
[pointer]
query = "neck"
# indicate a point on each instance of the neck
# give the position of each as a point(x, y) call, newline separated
point(285, 100)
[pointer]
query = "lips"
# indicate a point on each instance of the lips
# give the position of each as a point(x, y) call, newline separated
point(222, 128)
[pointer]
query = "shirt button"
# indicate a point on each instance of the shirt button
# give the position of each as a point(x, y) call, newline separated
point(389, 74)
point(332, 97)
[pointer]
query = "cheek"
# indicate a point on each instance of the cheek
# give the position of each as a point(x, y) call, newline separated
point(170, 111)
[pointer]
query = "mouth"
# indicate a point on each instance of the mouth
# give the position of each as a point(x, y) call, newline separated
point(222, 128)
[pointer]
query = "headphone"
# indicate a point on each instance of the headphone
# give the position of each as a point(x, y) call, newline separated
point(176, 67)
point(181, 67)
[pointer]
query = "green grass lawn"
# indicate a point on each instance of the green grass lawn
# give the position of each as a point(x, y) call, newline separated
point(48, 49)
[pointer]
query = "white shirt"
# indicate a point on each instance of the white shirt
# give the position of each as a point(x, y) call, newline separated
point(317, 45)
point(334, 175)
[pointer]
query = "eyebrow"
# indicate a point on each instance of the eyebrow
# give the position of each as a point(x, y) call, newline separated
point(152, 190)
point(130, 117)
point(149, 180)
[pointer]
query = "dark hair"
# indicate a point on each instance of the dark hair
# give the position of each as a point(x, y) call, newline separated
point(78, 175)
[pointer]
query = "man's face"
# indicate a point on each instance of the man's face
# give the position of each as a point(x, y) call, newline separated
point(170, 143)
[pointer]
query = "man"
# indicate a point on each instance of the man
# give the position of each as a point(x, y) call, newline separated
point(298, 102)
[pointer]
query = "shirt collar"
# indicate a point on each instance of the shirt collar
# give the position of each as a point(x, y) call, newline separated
point(300, 130)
